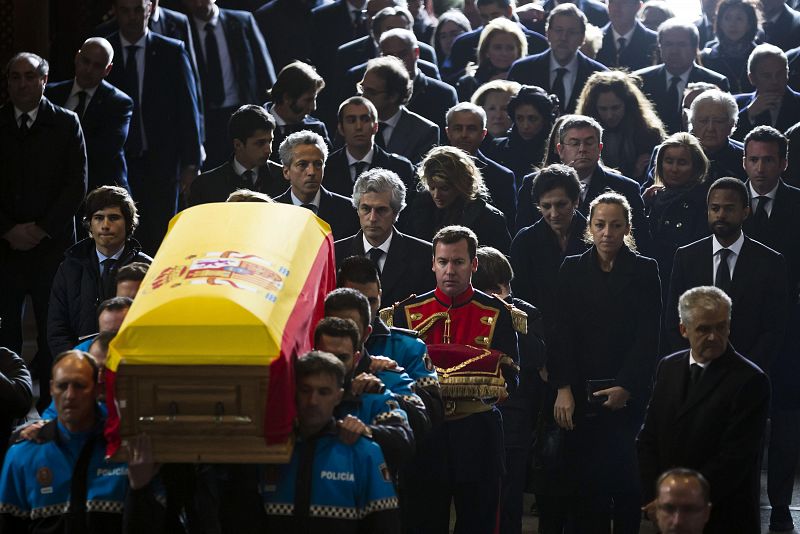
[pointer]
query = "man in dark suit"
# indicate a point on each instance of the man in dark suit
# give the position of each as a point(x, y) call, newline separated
point(42, 184)
point(626, 41)
point(294, 96)
point(707, 412)
point(465, 47)
point(705, 24)
point(563, 66)
point(781, 24)
point(403, 261)
point(303, 155)
point(753, 275)
point(280, 21)
point(250, 131)
point(104, 112)
point(387, 85)
point(334, 25)
point(664, 84)
point(772, 222)
point(163, 148)
point(235, 69)
point(358, 125)
point(773, 103)
point(466, 129)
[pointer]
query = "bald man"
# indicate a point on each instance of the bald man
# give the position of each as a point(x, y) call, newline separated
point(682, 504)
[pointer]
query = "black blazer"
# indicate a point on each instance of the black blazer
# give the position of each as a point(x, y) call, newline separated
point(413, 136)
point(431, 99)
point(407, 269)
point(334, 209)
point(105, 128)
point(654, 85)
point(785, 32)
point(501, 184)
point(637, 54)
point(465, 47)
point(280, 21)
point(332, 27)
point(215, 185)
point(758, 291)
point(535, 70)
point(717, 430)
point(337, 171)
point(789, 114)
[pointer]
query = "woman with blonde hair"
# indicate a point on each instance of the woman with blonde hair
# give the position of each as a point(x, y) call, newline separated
point(494, 97)
point(501, 44)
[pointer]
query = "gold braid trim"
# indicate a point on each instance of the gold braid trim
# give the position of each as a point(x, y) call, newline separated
point(423, 327)
point(474, 391)
point(387, 315)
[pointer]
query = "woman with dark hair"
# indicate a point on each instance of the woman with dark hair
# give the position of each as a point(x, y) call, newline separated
point(601, 357)
point(501, 44)
point(631, 127)
point(453, 192)
point(532, 112)
point(736, 27)
point(451, 24)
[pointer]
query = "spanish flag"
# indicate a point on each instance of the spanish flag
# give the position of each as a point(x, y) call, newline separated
point(232, 284)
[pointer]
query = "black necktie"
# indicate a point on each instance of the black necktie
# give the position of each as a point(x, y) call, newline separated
point(695, 374)
point(379, 140)
point(247, 179)
point(558, 87)
point(23, 123)
point(723, 279)
point(673, 96)
point(80, 109)
point(375, 254)
point(131, 86)
point(360, 167)
point(761, 217)
point(359, 24)
point(311, 207)
point(214, 90)
point(107, 278)
point(621, 42)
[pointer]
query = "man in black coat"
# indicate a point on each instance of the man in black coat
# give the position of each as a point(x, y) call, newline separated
point(250, 132)
point(403, 261)
point(42, 184)
point(753, 275)
point(563, 69)
point(664, 84)
point(303, 155)
point(104, 112)
point(707, 412)
point(781, 24)
point(358, 125)
point(626, 41)
point(16, 393)
point(280, 21)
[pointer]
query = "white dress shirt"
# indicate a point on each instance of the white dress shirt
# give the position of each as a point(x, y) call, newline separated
point(569, 77)
point(228, 78)
point(735, 248)
point(383, 246)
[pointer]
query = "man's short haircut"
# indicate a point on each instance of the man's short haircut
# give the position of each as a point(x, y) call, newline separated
point(358, 101)
point(294, 80)
point(579, 121)
point(555, 176)
point(317, 362)
point(346, 298)
point(715, 96)
point(708, 298)
point(494, 270)
point(392, 11)
point(110, 196)
point(337, 327)
point(42, 68)
point(81, 355)
point(394, 74)
point(380, 180)
point(495, 86)
point(357, 270)
point(683, 472)
point(248, 195)
point(133, 272)
point(731, 184)
point(103, 339)
point(768, 134)
point(452, 234)
point(567, 10)
point(114, 304)
point(407, 36)
point(247, 120)
point(467, 107)
point(762, 51)
point(679, 24)
point(303, 137)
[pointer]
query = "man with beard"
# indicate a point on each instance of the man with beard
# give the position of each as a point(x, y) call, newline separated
point(753, 275)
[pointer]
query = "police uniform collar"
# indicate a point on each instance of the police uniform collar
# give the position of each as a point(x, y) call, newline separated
point(458, 300)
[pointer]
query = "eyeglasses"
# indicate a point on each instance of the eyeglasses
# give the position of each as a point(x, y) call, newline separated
point(368, 91)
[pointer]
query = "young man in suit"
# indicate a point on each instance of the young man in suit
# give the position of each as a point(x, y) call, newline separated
point(781, 24)
point(707, 412)
point(303, 155)
point(664, 84)
point(104, 112)
point(563, 66)
point(358, 125)
point(626, 41)
point(250, 133)
point(753, 275)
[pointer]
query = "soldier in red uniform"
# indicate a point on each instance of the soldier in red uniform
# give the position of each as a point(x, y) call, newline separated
point(473, 336)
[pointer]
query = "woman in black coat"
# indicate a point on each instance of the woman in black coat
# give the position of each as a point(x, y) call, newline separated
point(453, 192)
point(737, 30)
point(601, 362)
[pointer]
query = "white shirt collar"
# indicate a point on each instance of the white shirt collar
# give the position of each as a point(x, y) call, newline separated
point(240, 169)
point(31, 115)
point(383, 246)
point(102, 257)
point(297, 202)
point(394, 119)
point(627, 36)
point(141, 43)
point(572, 66)
point(77, 89)
point(278, 119)
point(770, 194)
point(736, 247)
point(366, 159)
point(692, 360)
point(683, 76)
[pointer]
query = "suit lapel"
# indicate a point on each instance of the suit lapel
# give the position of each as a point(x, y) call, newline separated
point(711, 377)
point(392, 268)
point(400, 136)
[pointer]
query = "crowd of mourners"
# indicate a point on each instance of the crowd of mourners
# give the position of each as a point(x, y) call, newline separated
point(567, 260)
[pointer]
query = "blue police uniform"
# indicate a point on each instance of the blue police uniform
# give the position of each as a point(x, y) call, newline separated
point(330, 487)
point(404, 347)
point(68, 472)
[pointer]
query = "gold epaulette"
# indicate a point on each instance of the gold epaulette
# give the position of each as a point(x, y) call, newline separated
point(387, 314)
point(519, 318)
point(427, 324)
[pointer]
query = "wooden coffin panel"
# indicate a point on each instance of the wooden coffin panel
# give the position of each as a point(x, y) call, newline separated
point(203, 413)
